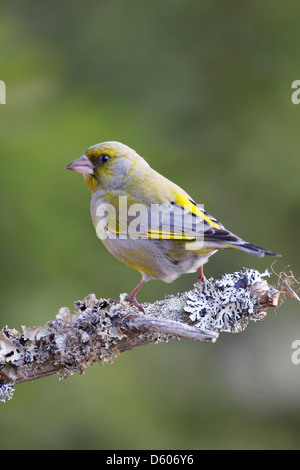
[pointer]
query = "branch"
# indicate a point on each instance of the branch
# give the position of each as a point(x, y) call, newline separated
point(101, 329)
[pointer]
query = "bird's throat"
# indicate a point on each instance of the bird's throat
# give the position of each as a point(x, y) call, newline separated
point(91, 181)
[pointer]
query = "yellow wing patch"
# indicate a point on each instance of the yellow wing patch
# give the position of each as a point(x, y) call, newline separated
point(185, 202)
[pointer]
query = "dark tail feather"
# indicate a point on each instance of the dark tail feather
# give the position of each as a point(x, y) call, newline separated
point(229, 240)
point(252, 249)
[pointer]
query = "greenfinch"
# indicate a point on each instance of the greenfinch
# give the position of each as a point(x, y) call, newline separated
point(148, 222)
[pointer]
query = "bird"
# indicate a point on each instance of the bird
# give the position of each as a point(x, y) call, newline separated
point(148, 222)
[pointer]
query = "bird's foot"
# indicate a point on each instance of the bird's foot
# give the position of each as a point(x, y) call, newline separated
point(201, 279)
point(132, 300)
point(131, 297)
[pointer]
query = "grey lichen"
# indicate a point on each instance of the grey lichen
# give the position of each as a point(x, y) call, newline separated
point(84, 337)
point(71, 342)
point(226, 304)
point(6, 391)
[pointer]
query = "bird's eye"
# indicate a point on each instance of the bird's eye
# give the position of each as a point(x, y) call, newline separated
point(100, 160)
point(104, 158)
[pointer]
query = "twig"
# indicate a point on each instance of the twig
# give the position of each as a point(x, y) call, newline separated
point(101, 329)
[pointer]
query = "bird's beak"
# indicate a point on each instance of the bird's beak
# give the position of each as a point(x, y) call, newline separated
point(82, 165)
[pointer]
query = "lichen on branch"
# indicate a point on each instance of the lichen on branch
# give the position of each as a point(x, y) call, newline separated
point(101, 329)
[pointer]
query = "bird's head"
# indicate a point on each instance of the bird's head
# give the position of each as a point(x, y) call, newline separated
point(106, 165)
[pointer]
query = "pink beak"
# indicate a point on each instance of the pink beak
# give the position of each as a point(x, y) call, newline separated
point(82, 165)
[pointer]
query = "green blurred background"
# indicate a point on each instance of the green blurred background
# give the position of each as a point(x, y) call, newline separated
point(202, 90)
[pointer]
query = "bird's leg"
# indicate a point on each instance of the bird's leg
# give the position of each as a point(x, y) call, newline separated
point(201, 279)
point(131, 297)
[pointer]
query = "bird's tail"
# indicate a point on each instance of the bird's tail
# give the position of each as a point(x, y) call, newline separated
point(219, 237)
point(252, 249)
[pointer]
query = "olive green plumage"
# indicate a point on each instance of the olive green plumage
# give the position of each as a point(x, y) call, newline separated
point(177, 236)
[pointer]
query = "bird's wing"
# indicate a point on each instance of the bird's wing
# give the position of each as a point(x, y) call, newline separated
point(178, 219)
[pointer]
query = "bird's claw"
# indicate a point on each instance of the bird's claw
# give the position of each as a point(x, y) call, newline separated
point(133, 301)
